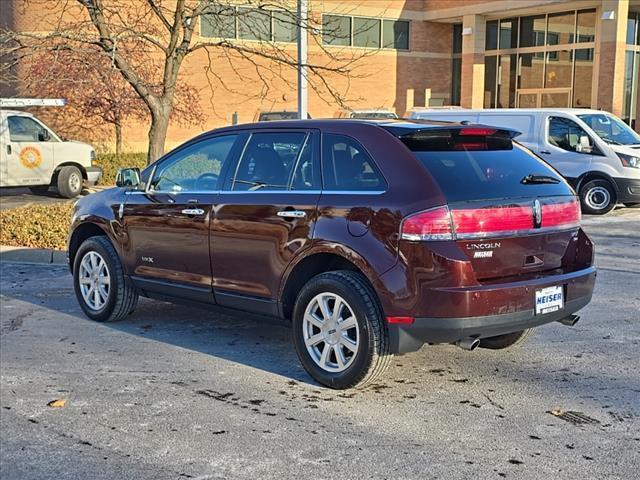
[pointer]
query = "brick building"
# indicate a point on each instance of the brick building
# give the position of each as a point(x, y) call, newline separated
point(473, 53)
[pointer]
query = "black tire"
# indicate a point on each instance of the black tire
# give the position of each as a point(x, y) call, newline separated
point(505, 341)
point(372, 356)
point(69, 182)
point(39, 189)
point(597, 197)
point(122, 296)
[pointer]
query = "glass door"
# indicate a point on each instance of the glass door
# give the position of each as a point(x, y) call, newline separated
point(544, 97)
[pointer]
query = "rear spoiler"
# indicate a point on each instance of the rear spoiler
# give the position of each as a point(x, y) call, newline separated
point(456, 136)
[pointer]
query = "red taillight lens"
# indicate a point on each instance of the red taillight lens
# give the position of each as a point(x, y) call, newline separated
point(477, 132)
point(400, 320)
point(479, 222)
point(434, 224)
point(562, 214)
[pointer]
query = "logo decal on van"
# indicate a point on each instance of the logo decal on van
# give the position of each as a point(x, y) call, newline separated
point(30, 157)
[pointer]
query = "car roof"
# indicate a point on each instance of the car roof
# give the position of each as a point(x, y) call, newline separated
point(508, 111)
point(15, 112)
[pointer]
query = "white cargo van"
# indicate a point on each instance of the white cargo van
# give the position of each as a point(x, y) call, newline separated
point(32, 155)
point(594, 150)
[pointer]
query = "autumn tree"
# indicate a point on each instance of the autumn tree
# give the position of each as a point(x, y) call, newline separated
point(147, 42)
point(97, 94)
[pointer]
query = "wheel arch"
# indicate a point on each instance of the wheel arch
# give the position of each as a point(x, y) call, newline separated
point(595, 175)
point(59, 167)
point(80, 234)
point(320, 260)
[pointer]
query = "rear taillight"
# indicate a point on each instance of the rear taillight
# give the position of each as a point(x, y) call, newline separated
point(561, 214)
point(434, 224)
point(441, 223)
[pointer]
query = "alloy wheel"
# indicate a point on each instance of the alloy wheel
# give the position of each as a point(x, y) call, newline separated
point(331, 333)
point(94, 280)
point(597, 198)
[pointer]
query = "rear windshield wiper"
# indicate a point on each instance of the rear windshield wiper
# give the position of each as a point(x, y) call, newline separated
point(538, 179)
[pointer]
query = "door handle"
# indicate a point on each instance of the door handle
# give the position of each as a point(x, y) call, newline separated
point(193, 211)
point(292, 213)
point(545, 152)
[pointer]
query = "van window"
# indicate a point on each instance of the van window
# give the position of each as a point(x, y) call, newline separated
point(347, 166)
point(565, 134)
point(25, 129)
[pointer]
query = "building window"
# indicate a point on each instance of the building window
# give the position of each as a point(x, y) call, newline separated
point(395, 34)
point(245, 23)
point(633, 28)
point(365, 32)
point(336, 30)
point(456, 64)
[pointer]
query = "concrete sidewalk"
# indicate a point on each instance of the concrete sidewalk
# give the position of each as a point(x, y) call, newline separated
point(32, 255)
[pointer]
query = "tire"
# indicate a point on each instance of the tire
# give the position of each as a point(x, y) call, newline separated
point(597, 197)
point(39, 189)
point(505, 341)
point(368, 334)
point(69, 182)
point(121, 297)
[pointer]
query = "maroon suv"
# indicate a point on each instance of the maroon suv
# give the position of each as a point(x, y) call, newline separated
point(372, 237)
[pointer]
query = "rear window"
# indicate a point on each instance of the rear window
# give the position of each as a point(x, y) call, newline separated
point(484, 167)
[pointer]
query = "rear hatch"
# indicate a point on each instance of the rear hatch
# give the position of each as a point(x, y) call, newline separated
point(509, 211)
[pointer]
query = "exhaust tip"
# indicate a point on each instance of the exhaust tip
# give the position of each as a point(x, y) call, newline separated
point(569, 321)
point(469, 343)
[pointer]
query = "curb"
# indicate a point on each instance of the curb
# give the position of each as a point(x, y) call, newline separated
point(32, 255)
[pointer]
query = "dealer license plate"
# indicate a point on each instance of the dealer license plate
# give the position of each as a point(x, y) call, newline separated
point(550, 299)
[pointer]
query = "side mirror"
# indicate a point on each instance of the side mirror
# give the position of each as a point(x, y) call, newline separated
point(43, 136)
point(128, 177)
point(584, 145)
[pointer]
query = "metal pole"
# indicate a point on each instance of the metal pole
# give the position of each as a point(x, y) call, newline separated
point(302, 22)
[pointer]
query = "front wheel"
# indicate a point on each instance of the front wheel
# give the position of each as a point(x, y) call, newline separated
point(339, 331)
point(69, 182)
point(103, 292)
point(500, 342)
point(597, 197)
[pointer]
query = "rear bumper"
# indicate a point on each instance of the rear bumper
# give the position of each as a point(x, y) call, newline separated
point(578, 290)
point(94, 174)
point(628, 190)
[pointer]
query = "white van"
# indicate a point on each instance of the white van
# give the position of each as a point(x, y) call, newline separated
point(594, 150)
point(32, 155)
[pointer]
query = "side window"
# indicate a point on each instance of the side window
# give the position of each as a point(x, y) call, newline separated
point(347, 166)
point(565, 134)
point(274, 161)
point(195, 168)
point(25, 129)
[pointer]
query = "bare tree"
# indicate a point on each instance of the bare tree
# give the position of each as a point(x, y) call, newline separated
point(147, 42)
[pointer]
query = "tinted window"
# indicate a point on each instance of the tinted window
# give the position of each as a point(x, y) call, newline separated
point(347, 166)
point(24, 129)
point(366, 32)
point(219, 21)
point(565, 134)
point(270, 160)
point(284, 26)
point(497, 172)
point(254, 24)
point(195, 168)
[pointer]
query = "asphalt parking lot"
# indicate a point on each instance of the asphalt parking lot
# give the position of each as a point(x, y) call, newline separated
point(175, 392)
point(11, 197)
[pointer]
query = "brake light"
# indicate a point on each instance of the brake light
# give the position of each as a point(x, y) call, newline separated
point(477, 132)
point(564, 214)
point(400, 320)
point(478, 222)
point(434, 224)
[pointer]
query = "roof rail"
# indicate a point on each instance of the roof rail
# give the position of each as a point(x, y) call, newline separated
point(32, 102)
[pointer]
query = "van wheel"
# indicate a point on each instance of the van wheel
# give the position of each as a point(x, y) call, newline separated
point(339, 331)
point(69, 182)
point(39, 189)
point(597, 197)
point(102, 290)
point(505, 341)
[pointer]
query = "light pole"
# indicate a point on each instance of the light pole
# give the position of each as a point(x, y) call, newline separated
point(302, 24)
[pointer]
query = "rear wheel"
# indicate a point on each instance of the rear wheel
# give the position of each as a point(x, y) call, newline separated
point(339, 330)
point(69, 182)
point(505, 341)
point(597, 197)
point(39, 189)
point(103, 292)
